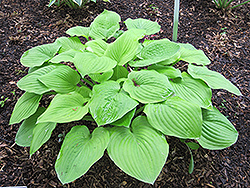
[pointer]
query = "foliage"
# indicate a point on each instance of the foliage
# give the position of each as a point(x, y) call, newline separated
point(225, 4)
point(74, 4)
point(132, 91)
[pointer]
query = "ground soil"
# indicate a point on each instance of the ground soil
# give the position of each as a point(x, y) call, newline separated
point(222, 35)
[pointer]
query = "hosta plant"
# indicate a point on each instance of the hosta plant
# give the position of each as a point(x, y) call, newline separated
point(130, 88)
point(74, 4)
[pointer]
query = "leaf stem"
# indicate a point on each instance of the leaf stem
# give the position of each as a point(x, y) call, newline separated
point(139, 110)
point(88, 82)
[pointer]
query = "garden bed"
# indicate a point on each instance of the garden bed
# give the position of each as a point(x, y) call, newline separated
point(223, 36)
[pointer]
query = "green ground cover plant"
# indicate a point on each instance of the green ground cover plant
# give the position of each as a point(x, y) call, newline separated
point(74, 4)
point(225, 4)
point(130, 88)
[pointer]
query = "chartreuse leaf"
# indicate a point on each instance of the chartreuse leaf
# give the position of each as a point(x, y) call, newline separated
point(140, 152)
point(192, 145)
point(191, 55)
point(65, 108)
point(148, 86)
point(125, 47)
point(217, 131)
point(26, 106)
point(98, 46)
point(38, 55)
point(72, 43)
point(84, 91)
point(119, 72)
point(175, 117)
point(41, 134)
point(62, 79)
point(79, 151)
point(78, 31)
point(105, 25)
point(25, 132)
point(97, 65)
point(125, 120)
point(101, 77)
point(213, 79)
point(66, 56)
point(193, 90)
point(156, 52)
point(108, 103)
point(140, 23)
point(31, 83)
point(168, 71)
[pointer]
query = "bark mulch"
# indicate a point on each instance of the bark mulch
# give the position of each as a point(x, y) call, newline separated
point(223, 36)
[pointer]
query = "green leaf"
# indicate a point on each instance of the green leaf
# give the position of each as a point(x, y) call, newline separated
point(101, 77)
point(156, 52)
point(105, 25)
point(98, 47)
point(62, 79)
point(108, 104)
point(72, 43)
point(192, 145)
point(38, 55)
point(84, 91)
point(148, 86)
point(41, 134)
point(175, 117)
point(193, 90)
point(125, 47)
point(65, 108)
point(141, 152)
point(217, 131)
point(26, 106)
point(25, 132)
point(213, 79)
point(78, 31)
point(97, 65)
point(191, 55)
point(140, 23)
point(79, 151)
point(66, 56)
point(191, 164)
point(78, 2)
point(31, 83)
point(119, 72)
point(168, 71)
point(125, 120)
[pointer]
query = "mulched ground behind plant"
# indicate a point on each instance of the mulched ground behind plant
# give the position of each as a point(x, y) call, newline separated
point(223, 36)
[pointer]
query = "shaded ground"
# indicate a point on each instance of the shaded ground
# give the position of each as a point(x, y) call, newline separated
point(224, 37)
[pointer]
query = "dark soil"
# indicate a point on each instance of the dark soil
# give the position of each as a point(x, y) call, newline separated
point(223, 36)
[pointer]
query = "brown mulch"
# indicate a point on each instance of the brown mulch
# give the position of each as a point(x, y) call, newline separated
point(223, 36)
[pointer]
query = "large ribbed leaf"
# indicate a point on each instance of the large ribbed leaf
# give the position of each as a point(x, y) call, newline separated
point(38, 55)
point(78, 31)
point(109, 104)
point(72, 43)
point(31, 83)
point(98, 46)
point(105, 25)
point(191, 55)
point(141, 152)
point(41, 134)
point(125, 120)
point(79, 151)
point(119, 72)
point(25, 132)
point(217, 131)
point(148, 86)
point(175, 117)
point(89, 63)
point(62, 79)
point(156, 52)
point(125, 47)
point(84, 91)
point(140, 23)
point(65, 108)
point(66, 56)
point(168, 71)
point(26, 105)
point(101, 77)
point(213, 79)
point(193, 90)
